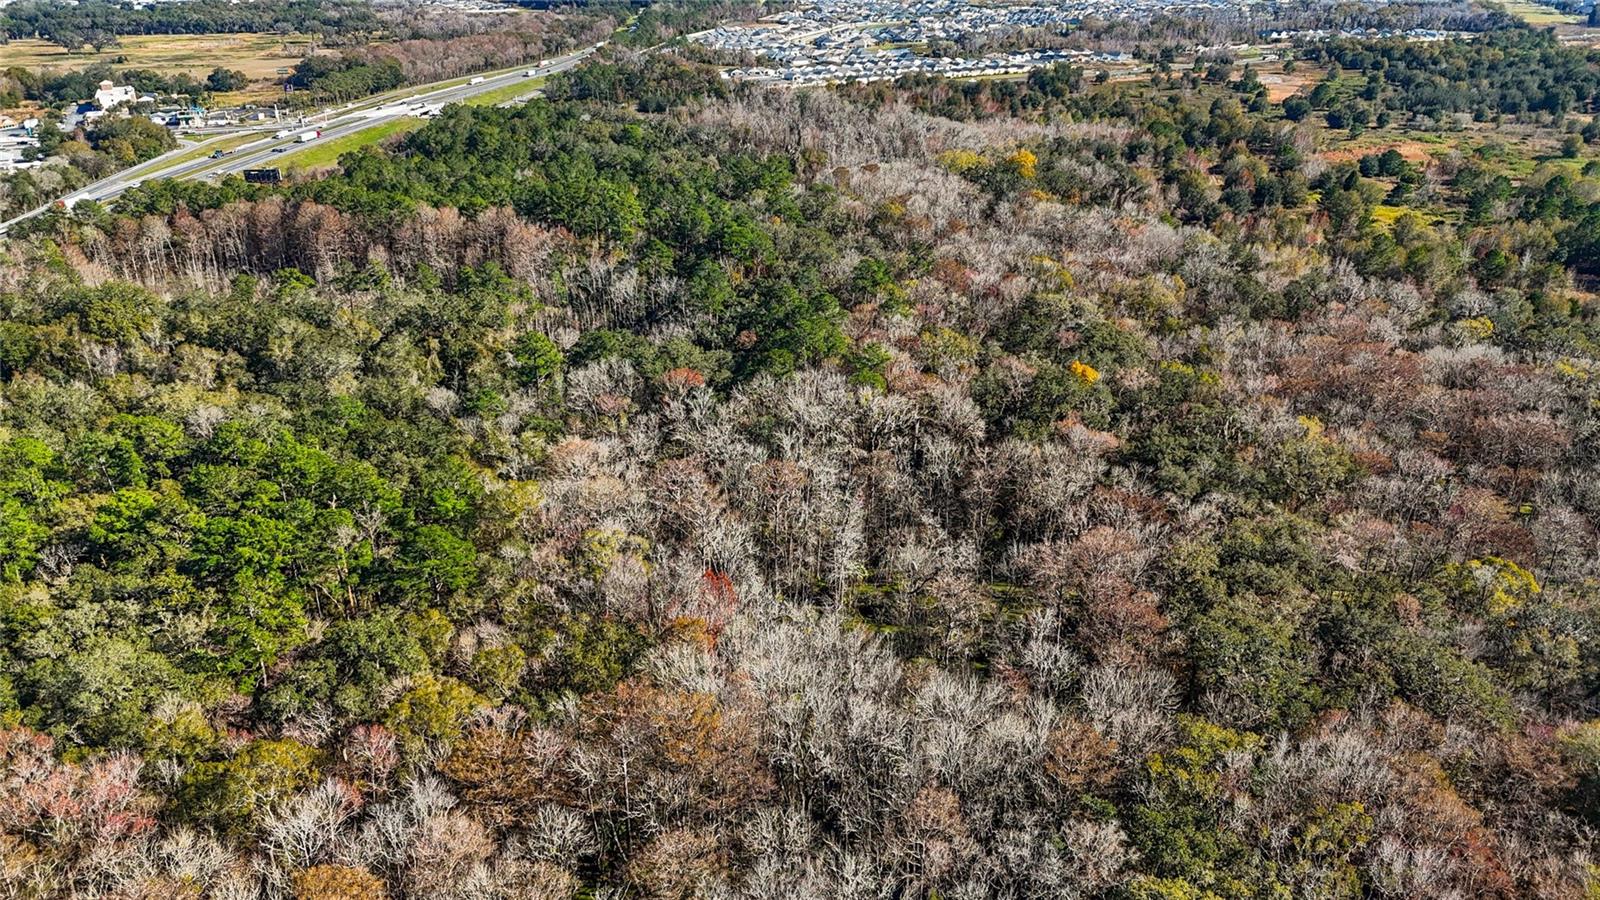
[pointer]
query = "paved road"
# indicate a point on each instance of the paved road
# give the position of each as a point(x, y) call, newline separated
point(336, 123)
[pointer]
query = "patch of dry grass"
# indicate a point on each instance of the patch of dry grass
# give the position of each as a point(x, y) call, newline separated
point(258, 56)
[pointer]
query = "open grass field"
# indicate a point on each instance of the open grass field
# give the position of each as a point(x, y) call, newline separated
point(1280, 85)
point(1511, 149)
point(516, 91)
point(325, 154)
point(259, 56)
point(1415, 148)
point(1538, 14)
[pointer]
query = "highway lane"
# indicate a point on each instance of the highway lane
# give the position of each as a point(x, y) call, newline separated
point(267, 154)
point(334, 124)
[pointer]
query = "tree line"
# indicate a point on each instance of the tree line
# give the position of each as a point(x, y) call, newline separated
point(100, 22)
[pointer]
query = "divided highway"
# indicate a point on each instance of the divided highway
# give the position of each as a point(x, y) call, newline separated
point(334, 124)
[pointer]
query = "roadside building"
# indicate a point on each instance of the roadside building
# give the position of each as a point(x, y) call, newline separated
point(112, 95)
point(17, 144)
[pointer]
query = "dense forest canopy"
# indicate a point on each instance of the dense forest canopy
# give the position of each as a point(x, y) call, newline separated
point(673, 489)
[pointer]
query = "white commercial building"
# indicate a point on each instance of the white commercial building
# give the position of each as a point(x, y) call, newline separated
point(111, 95)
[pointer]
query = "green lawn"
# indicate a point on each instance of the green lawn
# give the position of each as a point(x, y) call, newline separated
point(1538, 14)
point(511, 91)
point(319, 155)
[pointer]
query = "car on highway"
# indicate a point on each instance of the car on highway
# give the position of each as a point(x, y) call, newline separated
point(280, 149)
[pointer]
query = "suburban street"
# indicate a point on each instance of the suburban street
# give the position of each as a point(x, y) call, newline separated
point(334, 123)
